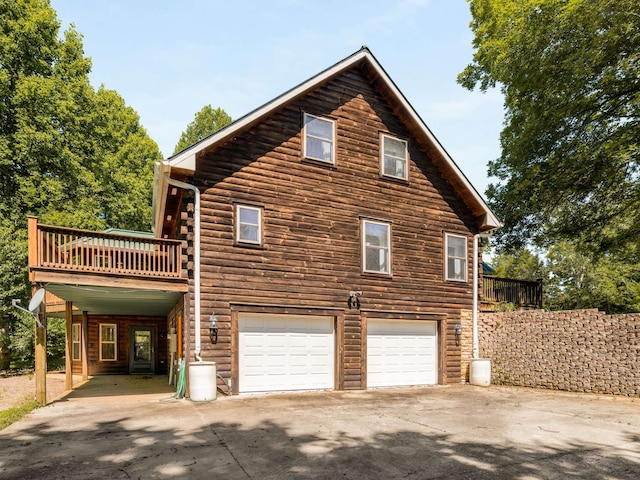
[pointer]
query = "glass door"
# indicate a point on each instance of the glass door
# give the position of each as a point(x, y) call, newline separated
point(142, 350)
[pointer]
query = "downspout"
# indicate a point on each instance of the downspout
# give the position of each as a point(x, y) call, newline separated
point(196, 255)
point(475, 296)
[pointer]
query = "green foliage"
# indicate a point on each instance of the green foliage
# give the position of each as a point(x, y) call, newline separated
point(13, 414)
point(206, 122)
point(69, 154)
point(522, 264)
point(608, 282)
point(569, 71)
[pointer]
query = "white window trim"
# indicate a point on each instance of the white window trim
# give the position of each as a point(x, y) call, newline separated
point(384, 136)
point(447, 257)
point(114, 342)
point(238, 224)
point(76, 340)
point(363, 228)
point(333, 139)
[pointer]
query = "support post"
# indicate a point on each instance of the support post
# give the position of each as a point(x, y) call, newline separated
point(41, 356)
point(84, 343)
point(68, 351)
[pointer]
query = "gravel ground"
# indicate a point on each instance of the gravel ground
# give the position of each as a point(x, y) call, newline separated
point(16, 389)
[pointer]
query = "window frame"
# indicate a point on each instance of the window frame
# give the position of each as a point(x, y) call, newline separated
point(305, 135)
point(447, 257)
point(383, 137)
point(243, 241)
point(76, 342)
point(363, 229)
point(103, 342)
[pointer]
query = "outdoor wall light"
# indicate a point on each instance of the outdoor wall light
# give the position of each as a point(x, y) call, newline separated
point(213, 328)
point(458, 330)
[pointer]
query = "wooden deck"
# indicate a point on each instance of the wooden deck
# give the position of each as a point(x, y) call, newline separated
point(67, 255)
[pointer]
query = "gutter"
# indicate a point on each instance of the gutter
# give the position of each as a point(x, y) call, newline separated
point(196, 256)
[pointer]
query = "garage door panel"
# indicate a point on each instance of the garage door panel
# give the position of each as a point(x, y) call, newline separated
point(285, 352)
point(401, 353)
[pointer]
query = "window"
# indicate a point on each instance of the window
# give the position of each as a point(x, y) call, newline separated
point(394, 157)
point(108, 345)
point(75, 341)
point(319, 135)
point(248, 224)
point(376, 247)
point(456, 264)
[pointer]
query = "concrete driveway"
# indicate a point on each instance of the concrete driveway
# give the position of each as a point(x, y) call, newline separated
point(452, 432)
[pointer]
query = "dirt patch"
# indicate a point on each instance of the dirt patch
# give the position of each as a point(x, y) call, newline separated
point(16, 389)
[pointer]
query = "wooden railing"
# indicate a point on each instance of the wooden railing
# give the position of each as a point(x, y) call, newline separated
point(521, 293)
point(75, 250)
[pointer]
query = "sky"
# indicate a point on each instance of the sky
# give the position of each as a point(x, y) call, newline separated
point(170, 58)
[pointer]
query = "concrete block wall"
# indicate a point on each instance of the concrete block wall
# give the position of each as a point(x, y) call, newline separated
point(578, 350)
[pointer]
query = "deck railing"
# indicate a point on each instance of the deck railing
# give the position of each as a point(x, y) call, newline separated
point(522, 293)
point(86, 251)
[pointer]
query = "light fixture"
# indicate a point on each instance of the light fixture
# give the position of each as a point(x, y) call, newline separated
point(213, 328)
point(458, 331)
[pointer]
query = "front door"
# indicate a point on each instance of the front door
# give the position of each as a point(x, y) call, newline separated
point(142, 350)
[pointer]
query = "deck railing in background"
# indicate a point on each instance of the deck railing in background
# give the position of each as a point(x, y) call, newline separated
point(521, 293)
point(86, 251)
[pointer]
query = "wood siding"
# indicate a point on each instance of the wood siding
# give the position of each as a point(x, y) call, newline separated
point(311, 255)
point(124, 323)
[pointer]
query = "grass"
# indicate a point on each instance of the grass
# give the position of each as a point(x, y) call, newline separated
point(13, 414)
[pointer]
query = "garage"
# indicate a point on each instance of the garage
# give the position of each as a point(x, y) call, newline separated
point(285, 352)
point(401, 353)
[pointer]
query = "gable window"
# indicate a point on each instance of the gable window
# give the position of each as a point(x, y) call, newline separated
point(376, 247)
point(319, 138)
point(108, 345)
point(456, 261)
point(75, 341)
point(248, 224)
point(394, 154)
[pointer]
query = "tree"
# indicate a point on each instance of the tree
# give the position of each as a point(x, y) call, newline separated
point(522, 264)
point(69, 154)
point(608, 282)
point(570, 74)
point(206, 122)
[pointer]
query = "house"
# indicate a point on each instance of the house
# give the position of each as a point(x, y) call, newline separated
point(323, 241)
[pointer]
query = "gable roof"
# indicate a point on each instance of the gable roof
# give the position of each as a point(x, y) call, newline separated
point(185, 161)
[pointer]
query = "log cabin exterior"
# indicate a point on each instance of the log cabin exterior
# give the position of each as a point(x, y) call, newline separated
point(331, 241)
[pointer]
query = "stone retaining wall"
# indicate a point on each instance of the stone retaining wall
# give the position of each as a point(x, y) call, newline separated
point(578, 350)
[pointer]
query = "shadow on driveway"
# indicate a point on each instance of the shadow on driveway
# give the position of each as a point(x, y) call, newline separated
point(440, 432)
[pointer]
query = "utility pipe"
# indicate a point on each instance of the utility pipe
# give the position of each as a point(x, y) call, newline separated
point(196, 255)
point(475, 295)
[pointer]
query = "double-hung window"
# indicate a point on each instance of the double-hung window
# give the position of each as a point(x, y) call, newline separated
point(376, 247)
point(108, 342)
point(75, 341)
point(319, 139)
point(394, 161)
point(456, 261)
point(248, 224)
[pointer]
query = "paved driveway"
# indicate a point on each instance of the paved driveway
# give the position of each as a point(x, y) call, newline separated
point(452, 432)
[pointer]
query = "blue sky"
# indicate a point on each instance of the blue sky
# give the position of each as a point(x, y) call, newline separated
point(170, 58)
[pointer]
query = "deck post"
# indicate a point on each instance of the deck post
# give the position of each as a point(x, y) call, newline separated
point(68, 351)
point(83, 345)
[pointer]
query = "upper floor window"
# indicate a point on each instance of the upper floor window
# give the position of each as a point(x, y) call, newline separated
point(248, 224)
point(376, 247)
point(394, 161)
point(456, 261)
point(108, 342)
point(319, 138)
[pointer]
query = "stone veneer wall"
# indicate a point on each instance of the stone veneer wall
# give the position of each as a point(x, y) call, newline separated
point(578, 350)
point(466, 343)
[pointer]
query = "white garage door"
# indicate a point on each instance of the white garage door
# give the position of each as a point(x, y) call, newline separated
point(401, 353)
point(285, 352)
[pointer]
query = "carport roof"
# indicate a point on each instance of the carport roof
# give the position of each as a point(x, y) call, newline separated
point(100, 300)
